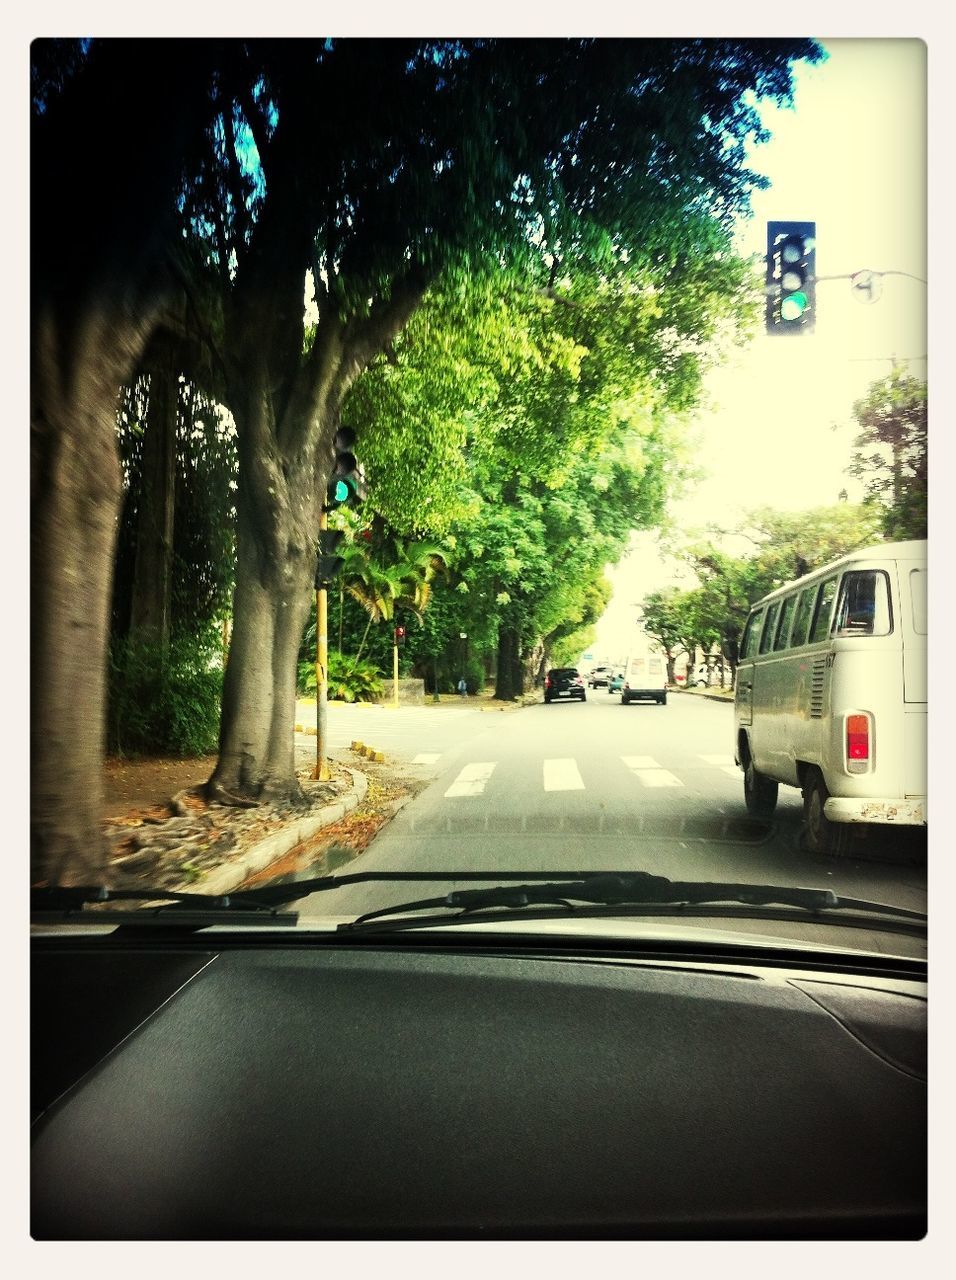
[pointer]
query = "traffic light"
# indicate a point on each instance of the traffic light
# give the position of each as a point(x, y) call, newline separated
point(399, 635)
point(347, 481)
point(329, 563)
point(791, 277)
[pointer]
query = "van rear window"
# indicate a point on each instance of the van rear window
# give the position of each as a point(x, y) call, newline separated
point(821, 619)
point(783, 631)
point(864, 605)
point(766, 637)
point(748, 643)
point(801, 623)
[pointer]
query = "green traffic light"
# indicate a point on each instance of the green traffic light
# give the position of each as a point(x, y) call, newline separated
point(793, 307)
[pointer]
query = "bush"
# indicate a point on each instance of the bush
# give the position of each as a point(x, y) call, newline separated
point(349, 680)
point(164, 702)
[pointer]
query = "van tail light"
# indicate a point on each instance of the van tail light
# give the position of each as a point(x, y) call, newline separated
point(858, 745)
point(547, 682)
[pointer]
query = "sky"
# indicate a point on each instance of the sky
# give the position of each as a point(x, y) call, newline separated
point(850, 155)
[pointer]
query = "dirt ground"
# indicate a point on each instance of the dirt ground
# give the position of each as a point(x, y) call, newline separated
point(143, 784)
point(172, 847)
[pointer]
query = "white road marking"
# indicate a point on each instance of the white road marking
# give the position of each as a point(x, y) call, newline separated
point(472, 780)
point(658, 778)
point(650, 772)
point(427, 757)
point(724, 759)
point(562, 775)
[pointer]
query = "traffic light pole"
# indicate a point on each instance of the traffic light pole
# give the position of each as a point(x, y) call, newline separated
point(321, 773)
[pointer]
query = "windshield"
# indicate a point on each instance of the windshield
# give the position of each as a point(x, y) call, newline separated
point(503, 484)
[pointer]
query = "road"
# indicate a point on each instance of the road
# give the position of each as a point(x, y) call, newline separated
point(600, 786)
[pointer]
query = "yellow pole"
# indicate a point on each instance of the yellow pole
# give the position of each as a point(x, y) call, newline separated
point(321, 773)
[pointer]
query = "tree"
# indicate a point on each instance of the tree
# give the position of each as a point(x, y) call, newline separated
point(787, 545)
point(890, 453)
point(527, 158)
point(103, 219)
point(175, 562)
point(470, 154)
point(669, 618)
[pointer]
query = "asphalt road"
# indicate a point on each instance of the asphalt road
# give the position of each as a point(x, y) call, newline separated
point(599, 786)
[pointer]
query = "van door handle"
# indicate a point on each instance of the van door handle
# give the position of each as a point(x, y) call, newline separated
point(744, 684)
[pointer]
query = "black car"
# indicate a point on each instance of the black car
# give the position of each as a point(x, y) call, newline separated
point(564, 682)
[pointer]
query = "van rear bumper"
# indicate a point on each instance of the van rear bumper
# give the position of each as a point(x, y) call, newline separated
point(902, 813)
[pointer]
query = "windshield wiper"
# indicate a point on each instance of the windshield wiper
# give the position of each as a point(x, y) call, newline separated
point(67, 904)
point(629, 893)
point(636, 892)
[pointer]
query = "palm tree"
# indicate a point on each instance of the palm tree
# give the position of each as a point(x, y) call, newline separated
point(381, 585)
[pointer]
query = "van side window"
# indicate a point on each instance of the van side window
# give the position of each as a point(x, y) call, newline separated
point(766, 636)
point(918, 599)
point(748, 643)
point(801, 624)
point(786, 616)
point(864, 605)
point(821, 619)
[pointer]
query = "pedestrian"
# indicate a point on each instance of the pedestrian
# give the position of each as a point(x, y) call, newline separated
point(462, 687)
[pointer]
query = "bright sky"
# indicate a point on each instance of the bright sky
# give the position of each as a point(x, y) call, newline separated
point(851, 156)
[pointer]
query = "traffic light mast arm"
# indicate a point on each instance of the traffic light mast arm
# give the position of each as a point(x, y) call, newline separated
point(850, 275)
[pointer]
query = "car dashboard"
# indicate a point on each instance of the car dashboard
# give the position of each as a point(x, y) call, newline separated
point(428, 1086)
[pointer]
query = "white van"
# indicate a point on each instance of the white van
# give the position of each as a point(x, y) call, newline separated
point(645, 676)
point(831, 694)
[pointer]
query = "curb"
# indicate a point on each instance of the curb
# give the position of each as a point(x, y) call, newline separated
point(711, 697)
point(227, 877)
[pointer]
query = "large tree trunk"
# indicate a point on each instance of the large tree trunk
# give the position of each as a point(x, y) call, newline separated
point(285, 457)
point(510, 683)
point(75, 498)
point(277, 528)
point(153, 568)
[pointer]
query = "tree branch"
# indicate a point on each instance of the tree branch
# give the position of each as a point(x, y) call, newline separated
point(367, 338)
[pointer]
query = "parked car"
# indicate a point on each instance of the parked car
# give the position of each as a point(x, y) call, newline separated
point(599, 676)
point(564, 682)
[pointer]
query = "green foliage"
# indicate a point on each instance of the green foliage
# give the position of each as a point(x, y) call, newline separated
point(164, 702)
point(203, 570)
point(350, 679)
point(890, 453)
point(786, 545)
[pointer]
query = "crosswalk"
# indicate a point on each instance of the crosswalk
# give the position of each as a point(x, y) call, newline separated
point(563, 774)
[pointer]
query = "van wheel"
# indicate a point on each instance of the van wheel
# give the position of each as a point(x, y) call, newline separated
point(663, 699)
point(760, 792)
point(819, 833)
